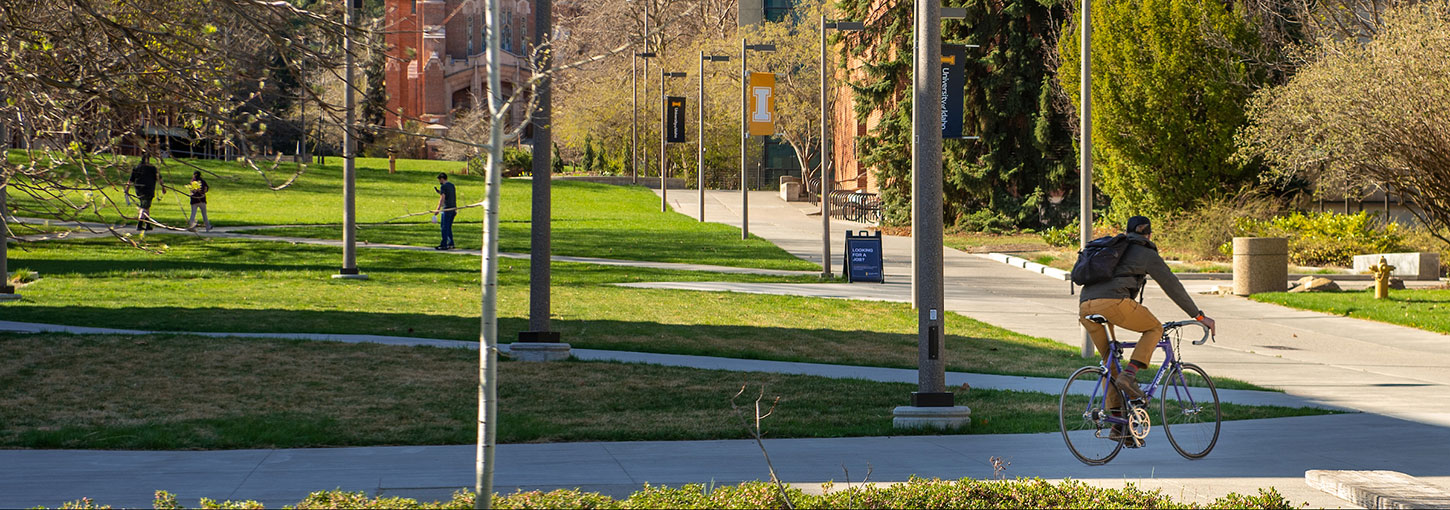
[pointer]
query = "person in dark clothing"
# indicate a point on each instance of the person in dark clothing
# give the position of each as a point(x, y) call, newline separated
point(146, 179)
point(1115, 300)
point(447, 203)
point(198, 189)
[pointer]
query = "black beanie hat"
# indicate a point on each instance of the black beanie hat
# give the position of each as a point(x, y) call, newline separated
point(1137, 222)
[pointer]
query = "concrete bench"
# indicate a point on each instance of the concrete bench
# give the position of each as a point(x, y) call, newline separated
point(1410, 266)
point(1378, 489)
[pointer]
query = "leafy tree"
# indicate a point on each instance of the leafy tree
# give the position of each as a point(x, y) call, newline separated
point(1367, 113)
point(796, 64)
point(1169, 89)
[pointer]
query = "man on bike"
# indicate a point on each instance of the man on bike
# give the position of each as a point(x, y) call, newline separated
point(1114, 299)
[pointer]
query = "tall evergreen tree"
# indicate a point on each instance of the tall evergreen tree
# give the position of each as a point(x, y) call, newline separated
point(1002, 181)
point(1025, 153)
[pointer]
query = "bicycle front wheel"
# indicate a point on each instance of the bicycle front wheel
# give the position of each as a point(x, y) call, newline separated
point(1082, 415)
point(1191, 416)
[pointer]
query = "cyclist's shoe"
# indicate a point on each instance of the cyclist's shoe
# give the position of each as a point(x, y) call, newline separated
point(1120, 434)
point(1128, 384)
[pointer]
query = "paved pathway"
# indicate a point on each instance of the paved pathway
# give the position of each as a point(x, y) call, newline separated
point(1370, 366)
point(1251, 454)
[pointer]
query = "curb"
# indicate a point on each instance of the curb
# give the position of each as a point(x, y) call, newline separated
point(1050, 272)
point(1378, 489)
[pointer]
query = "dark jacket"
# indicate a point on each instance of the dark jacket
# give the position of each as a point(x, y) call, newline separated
point(1140, 261)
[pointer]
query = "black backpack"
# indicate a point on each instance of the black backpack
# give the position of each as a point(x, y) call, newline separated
point(1097, 261)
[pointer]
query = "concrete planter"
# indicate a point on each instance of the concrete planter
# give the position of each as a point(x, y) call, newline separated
point(1261, 264)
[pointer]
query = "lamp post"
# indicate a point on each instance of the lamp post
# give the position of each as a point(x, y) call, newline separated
point(349, 148)
point(1085, 154)
point(634, 106)
point(700, 165)
point(826, 177)
point(931, 405)
point(7, 292)
point(745, 130)
point(664, 137)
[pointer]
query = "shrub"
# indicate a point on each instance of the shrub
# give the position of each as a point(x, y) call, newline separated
point(1198, 234)
point(915, 493)
point(1066, 236)
point(517, 161)
point(986, 221)
point(1326, 238)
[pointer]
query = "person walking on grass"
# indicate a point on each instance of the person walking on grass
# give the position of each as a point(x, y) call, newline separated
point(145, 179)
point(198, 189)
point(1114, 299)
point(447, 205)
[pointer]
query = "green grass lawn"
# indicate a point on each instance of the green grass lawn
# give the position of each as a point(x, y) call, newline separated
point(182, 392)
point(590, 220)
point(231, 285)
point(1427, 309)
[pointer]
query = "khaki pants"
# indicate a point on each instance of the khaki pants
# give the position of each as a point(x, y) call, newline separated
point(1126, 314)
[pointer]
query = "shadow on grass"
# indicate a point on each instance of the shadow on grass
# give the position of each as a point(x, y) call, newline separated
point(833, 346)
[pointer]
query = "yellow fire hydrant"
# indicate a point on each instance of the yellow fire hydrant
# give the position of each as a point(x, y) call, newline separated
point(1381, 278)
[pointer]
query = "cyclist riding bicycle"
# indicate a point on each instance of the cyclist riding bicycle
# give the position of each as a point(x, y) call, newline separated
point(1114, 299)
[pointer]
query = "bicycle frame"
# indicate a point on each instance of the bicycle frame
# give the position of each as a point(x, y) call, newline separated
point(1171, 364)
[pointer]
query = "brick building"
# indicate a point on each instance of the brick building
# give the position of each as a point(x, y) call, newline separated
point(437, 58)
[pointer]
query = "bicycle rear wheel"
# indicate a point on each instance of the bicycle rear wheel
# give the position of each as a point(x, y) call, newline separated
point(1083, 418)
point(1191, 416)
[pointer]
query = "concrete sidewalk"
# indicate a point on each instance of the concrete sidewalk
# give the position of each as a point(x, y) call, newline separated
point(1369, 366)
point(1250, 454)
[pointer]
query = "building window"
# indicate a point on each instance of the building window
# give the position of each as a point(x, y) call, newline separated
point(508, 33)
point(470, 34)
point(778, 10)
point(415, 6)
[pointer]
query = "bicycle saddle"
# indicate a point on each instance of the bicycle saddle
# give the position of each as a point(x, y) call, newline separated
point(1096, 318)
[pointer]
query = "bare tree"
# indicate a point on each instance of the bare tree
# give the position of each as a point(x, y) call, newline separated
point(1367, 113)
point(91, 81)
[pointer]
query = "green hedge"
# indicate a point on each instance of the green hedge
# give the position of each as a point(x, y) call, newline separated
point(916, 493)
point(1319, 239)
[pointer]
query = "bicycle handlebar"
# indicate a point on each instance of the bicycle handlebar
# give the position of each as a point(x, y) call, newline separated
point(1178, 324)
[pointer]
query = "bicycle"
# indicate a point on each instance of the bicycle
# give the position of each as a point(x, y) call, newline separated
point(1190, 414)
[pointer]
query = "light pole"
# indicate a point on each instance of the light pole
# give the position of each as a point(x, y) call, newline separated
point(634, 106)
point(634, 98)
point(745, 130)
point(826, 177)
point(700, 165)
point(541, 207)
point(931, 405)
point(1085, 150)
point(7, 291)
point(349, 170)
point(664, 139)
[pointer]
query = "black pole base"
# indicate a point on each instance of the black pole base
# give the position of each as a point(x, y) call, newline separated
point(348, 270)
point(920, 399)
point(7, 289)
point(549, 337)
